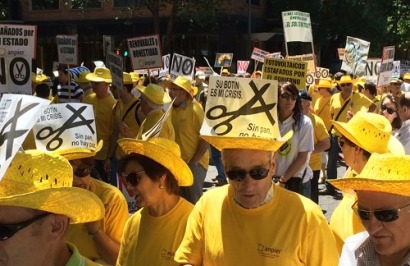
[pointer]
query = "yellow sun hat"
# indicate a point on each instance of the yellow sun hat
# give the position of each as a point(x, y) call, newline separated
point(371, 132)
point(406, 75)
point(194, 90)
point(38, 78)
point(155, 93)
point(163, 151)
point(345, 79)
point(127, 79)
point(100, 74)
point(382, 173)
point(81, 78)
point(184, 83)
point(43, 181)
point(324, 83)
point(80, 153)
point(135, 76)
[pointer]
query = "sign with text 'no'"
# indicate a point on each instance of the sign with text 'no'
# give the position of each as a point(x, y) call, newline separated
point(15, 75)
point(145, 52)
point(67, 46)
point(182, 66)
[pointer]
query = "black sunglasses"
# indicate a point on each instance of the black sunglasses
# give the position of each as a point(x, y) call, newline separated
point(381, 215)
point(345, 84)
point(288, 96)
point(133, 178)
point(342, 141)
point(82, 172)
point(239, 175)
point(388, 109)
point(9, 230)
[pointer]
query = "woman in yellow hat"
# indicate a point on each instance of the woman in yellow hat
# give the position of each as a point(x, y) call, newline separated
point(154, 171)
point(388, 107)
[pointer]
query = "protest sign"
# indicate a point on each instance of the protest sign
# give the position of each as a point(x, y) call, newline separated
point(297, 26)
point(275, 55)
point(309, 58)
point(182, 66)
point(115, 64)
point(67, 46)
point(223, 59)
point(208, 71)
point(145, 52)
point(284, 70)
point(242, 66)
point(65, 126)
point(341, 53)
point(372, 69)
point(404, 66)
point(386, 66)
point(166, 62)
point(396, 69)
point(15, 75)
point(355, 56)
point(241, 107)
point(259, 54)
point(18, 114)
point(18, 40)
point(321, 73)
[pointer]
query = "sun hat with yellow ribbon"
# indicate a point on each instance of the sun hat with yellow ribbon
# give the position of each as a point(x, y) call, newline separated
point(371, 132)
point(43, 181)
point(184, 83)
point(163, 151)
point(324, 83)
point(100, 74)
point(382, 173)
point(155, 93)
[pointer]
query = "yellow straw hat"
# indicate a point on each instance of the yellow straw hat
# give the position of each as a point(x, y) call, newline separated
point(155, 93)
point(135, 76)
point(81, 78)
point(345, 79)
point(382, 173)
point(100, 74)
point(184, 83)
point(324, 83)
point(165, 152)
point(406, 76)
point(371, 132)
point(194, 90)
point(80, 153)
point(127, 79)
point(43, 181)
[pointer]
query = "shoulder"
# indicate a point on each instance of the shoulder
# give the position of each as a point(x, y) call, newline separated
point(107, 193)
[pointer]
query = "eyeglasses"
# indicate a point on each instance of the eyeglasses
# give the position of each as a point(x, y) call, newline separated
point(82, 172)
point(342, 141)
point(256, 174)
point(9, 230)
point(288, 96)
point(388, 109)
point(385, 216)
point(133, 179)
point(345, 84)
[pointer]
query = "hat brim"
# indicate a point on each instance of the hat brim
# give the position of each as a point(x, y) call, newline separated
point(350, 185)
point(94, 78)
point(80, 153)
point(247, 143)
point(161, 155)
point(165, 99)
point(79, 205)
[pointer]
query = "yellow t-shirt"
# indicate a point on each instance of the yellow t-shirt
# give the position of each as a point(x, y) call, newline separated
point(287, 230)
point(129, 119)
point(322, 109)
point(167, 131)
point(357, 101)
point(116, 215)
point(314, 93)
point(319, 133)
point(344, 222)
point(149, 240)
point(104, 119)
point(187, 121)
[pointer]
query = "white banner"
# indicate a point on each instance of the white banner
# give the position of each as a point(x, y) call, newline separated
point(145, 52)
point(355, 56)
point(65, 126)
point(386, 67)
point(18, 114)
point(372, 69)
point(259, 54)
point(297, 26)
point(396, 69)
point(15, 75)
point(115, 64)
point(18, 40)
point(182, 66)
point(67, 46)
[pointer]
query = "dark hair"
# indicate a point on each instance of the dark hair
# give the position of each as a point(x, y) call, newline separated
point(371, 87)
point(43, 90)
point(129, 87)
point(396, 123)
point(148, 80)
point(403, 100)
point(297, 110)
point(62, 69)
point(366, 154)
point(153, 170)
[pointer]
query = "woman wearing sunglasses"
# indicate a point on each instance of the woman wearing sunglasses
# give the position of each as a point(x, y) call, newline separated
point(154, 171)
point(388, 108)
point(383, 206)
point(364, 134)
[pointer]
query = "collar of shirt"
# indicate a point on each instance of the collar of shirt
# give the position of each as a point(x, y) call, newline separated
point(268, 197)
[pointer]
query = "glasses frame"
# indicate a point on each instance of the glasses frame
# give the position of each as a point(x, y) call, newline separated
point(345, 84)
point(389, 110)
point(342, 141)
point(257, 173)
point(288, 96)
point(380, 215)
point(12, 229)
point(133, 179)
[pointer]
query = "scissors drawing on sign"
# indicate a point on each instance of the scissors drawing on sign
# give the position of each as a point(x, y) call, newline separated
point(47, 132)
point(246, 109)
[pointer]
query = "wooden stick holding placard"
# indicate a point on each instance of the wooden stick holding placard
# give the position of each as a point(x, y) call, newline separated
point(69, 83)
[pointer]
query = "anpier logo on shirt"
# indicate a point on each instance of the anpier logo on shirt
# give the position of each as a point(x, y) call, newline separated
point(270, 252)
point(167, 254)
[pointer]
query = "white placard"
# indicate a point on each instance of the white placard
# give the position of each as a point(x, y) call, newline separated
point(15, 75)
point(297, 26)
point(65, 126)
point(145, 52)
point(259, 54)
point(372, 69)
point(242, 66)
point(386, 67)
point(115, 64)
point(67, 46)
point(18, 40)
point(18, 113)
point(355, 56)
point(321, 73)
point(396, 69)
point(182, 66)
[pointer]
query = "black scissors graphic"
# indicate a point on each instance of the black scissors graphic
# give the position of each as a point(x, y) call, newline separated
point(246, 109)
point(47, 132)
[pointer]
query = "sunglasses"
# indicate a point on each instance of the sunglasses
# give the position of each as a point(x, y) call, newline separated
point(239, 175)
point(388, 109)
point(133, 179)
point(343, 141)
point(9, 230)
point(381, 215)
point(288, 96)
point(345, 84)
point(82, 172)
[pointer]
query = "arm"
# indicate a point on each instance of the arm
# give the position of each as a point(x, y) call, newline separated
point(372, 107)
point(203, 146)
point(295, 166)
point(322, 145)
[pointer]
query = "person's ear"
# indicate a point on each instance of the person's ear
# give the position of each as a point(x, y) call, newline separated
point(58, 226)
